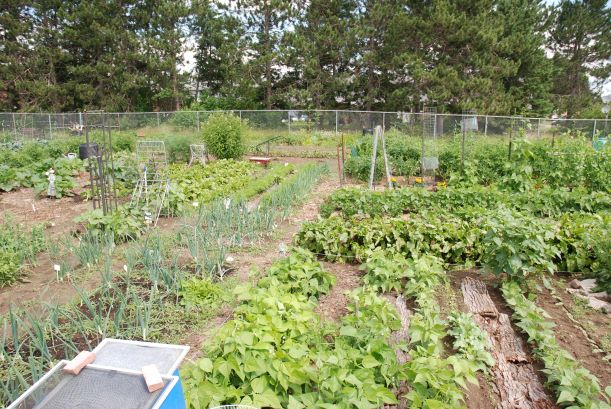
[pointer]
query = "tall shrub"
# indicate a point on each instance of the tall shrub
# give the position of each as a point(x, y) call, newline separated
point(223, 136)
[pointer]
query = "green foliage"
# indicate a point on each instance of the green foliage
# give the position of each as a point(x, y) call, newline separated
point(274, 353)
point(124, 224)
point(574, 385)
point(263, 182)
point(223, 136)
point(518, 246)
point(18, 246)
point(10, 268)
point(178, 147)
point(404, 158)
point(470, 340)
point(542, 203)
point(518, 234)
point(301, 273)
point(201, 293)
point(223, 224)
point(204, 183)
point(436, 381)
point(385, 272)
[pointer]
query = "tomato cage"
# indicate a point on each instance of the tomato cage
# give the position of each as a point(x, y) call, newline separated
point(153, 187)
point(430, 158)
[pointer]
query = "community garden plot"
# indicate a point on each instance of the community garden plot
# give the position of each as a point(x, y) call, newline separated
point(411, 297)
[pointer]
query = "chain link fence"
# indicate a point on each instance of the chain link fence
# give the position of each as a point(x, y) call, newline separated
point(303, 132)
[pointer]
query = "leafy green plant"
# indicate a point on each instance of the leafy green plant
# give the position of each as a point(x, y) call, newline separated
point(470, 340)
point(10, 268)
point(574, 385)
point(518, 246)
point(301, 273)
point(202, 184)
point(223, 136)
point(125, 223)
point(385, 272)
point(202, 293)
point(274, 353)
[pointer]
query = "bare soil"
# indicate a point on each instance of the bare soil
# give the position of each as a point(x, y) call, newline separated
point(57, 214)
point(571, 337)
point(333, 306)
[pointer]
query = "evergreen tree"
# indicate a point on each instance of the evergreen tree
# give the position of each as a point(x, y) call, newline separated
point(580, 38)
point(165, 22)
point(220, 46)
point(15, 30)
point(527, 85)
point(319, 53)
point(266, 21)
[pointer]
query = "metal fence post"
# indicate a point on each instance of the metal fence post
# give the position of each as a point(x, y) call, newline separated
point(50, 129)
point(288, 116)
point(240, 112)
point(158, 124)
point(384, 121)
point(462, 143)
point(14, 126)
point(197, 119)
point(538, 127)
point(486, 127)
point(594, 130)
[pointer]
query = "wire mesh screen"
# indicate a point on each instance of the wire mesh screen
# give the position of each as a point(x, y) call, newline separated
point(133, 356)
point(92, 388)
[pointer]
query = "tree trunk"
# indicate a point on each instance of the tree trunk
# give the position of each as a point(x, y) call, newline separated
point(514, 377)
point(268, 54)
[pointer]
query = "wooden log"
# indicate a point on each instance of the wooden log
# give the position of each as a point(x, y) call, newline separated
point(514, 377)
point(401, 336)
point(477, 299)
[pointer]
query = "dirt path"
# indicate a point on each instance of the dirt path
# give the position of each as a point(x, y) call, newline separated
point(333, 306)
point(571, 336)
point(262, 257)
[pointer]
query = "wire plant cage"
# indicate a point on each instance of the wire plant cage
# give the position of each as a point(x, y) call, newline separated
point(430, 158)
point(100, 163)
point(153, 188)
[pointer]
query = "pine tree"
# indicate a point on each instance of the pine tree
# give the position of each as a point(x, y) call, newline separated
point(318, 54)
point(580, 38)
point(527, 85)
point(266, 21)
point(15, 29)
